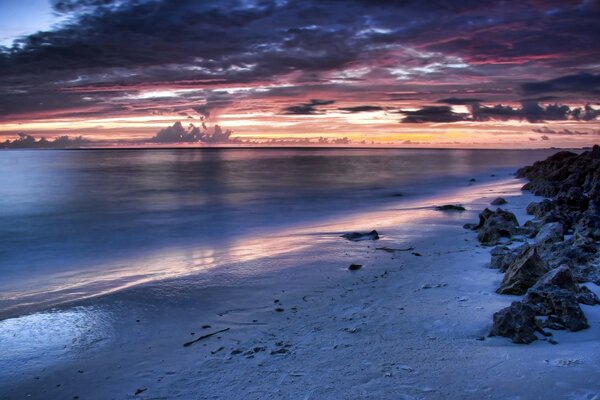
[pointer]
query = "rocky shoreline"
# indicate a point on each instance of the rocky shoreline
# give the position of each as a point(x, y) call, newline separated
point(559, 250)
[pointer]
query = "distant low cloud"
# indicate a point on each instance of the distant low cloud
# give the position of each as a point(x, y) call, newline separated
point(567, 132)
point(433, 114)
point(544, 137)
point(530, 111)
point(359, 109)
point(177, 133)
point(459, 101)
point(583, 83)
point(25, 141)
point(309, 108)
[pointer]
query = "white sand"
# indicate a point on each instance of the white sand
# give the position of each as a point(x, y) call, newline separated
point(402, 327)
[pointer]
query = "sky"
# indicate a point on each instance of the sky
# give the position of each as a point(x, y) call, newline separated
point(440, 73)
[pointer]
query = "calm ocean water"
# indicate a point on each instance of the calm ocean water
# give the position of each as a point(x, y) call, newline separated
point(63, 211)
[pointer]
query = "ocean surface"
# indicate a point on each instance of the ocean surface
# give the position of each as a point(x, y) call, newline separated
point(75, 222)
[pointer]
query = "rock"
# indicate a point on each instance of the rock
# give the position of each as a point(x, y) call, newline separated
point(586, 296)
point(502, 257)
point(523, 272)
point(540, 209)
point(589, 225)
point(470, 226)
point(354, 267)
point(560, 305)
point(548, 235)
point(531, 228)
point(561, 277)
point(358, 236)
point(517, 323)
point(451, 207)
point(494, 225)
point(499, 201)
point(573, 198)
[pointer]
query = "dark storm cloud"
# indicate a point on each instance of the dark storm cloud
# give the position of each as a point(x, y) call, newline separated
point(109, 44)
point(359, 109)
point(309, 108)
point(583, 83)
point(433, 114)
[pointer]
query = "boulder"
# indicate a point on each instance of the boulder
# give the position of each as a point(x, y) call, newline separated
point(525, 270)
point(451, 207)
point(503, 256)
point(589, 225)
point(495, 225)
point(563, 278)
point(560, 305)
point(517, 323)
point(499, 201)
point(574, 198)
point(358, 236)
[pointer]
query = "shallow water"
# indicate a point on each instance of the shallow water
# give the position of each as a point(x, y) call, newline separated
point(75, 222)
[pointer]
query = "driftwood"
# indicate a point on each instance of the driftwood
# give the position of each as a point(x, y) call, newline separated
point(204, 337)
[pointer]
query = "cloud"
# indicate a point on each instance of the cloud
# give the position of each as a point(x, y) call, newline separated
point(25, 141)
point(433, 114)
point(565, 132)
point(530, 111)
point(270, 53)
point(309, 108)
point(177, 133)
point(359, 109)
point(544, 137)
point(459, 101)
point(582, 83)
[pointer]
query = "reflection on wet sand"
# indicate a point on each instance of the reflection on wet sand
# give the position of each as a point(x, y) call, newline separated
point(240, 254)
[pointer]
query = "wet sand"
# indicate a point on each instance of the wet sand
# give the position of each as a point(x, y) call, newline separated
point(408, 325)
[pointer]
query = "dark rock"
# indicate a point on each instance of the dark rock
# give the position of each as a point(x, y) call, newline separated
point(499, 201)
point(548, 235)
point(542, 208)
point(523, 272)
point(586, 296)
point(573, 198)
point(589, 225)
point(354, 267)
point(517, 323)
point(495, 225)
point(502, 257)
point(531, 228)
point(358, 236)
point(560, 305)
point(451, 207)
point(470, 226)
point(561, 277)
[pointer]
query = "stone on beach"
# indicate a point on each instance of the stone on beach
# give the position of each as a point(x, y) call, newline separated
point(516, 322)
point(523, 272)
point(495, 225)
point(499, 201)
point(358, 236)
point(451, 207)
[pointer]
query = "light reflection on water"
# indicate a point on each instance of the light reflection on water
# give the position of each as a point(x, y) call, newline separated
point(188, 260)
point(39, 340)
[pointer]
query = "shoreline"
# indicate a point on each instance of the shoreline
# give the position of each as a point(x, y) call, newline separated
point(112, 276)
point(392, 329)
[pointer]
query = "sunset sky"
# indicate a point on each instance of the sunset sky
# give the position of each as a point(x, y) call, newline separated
point(401, 73)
